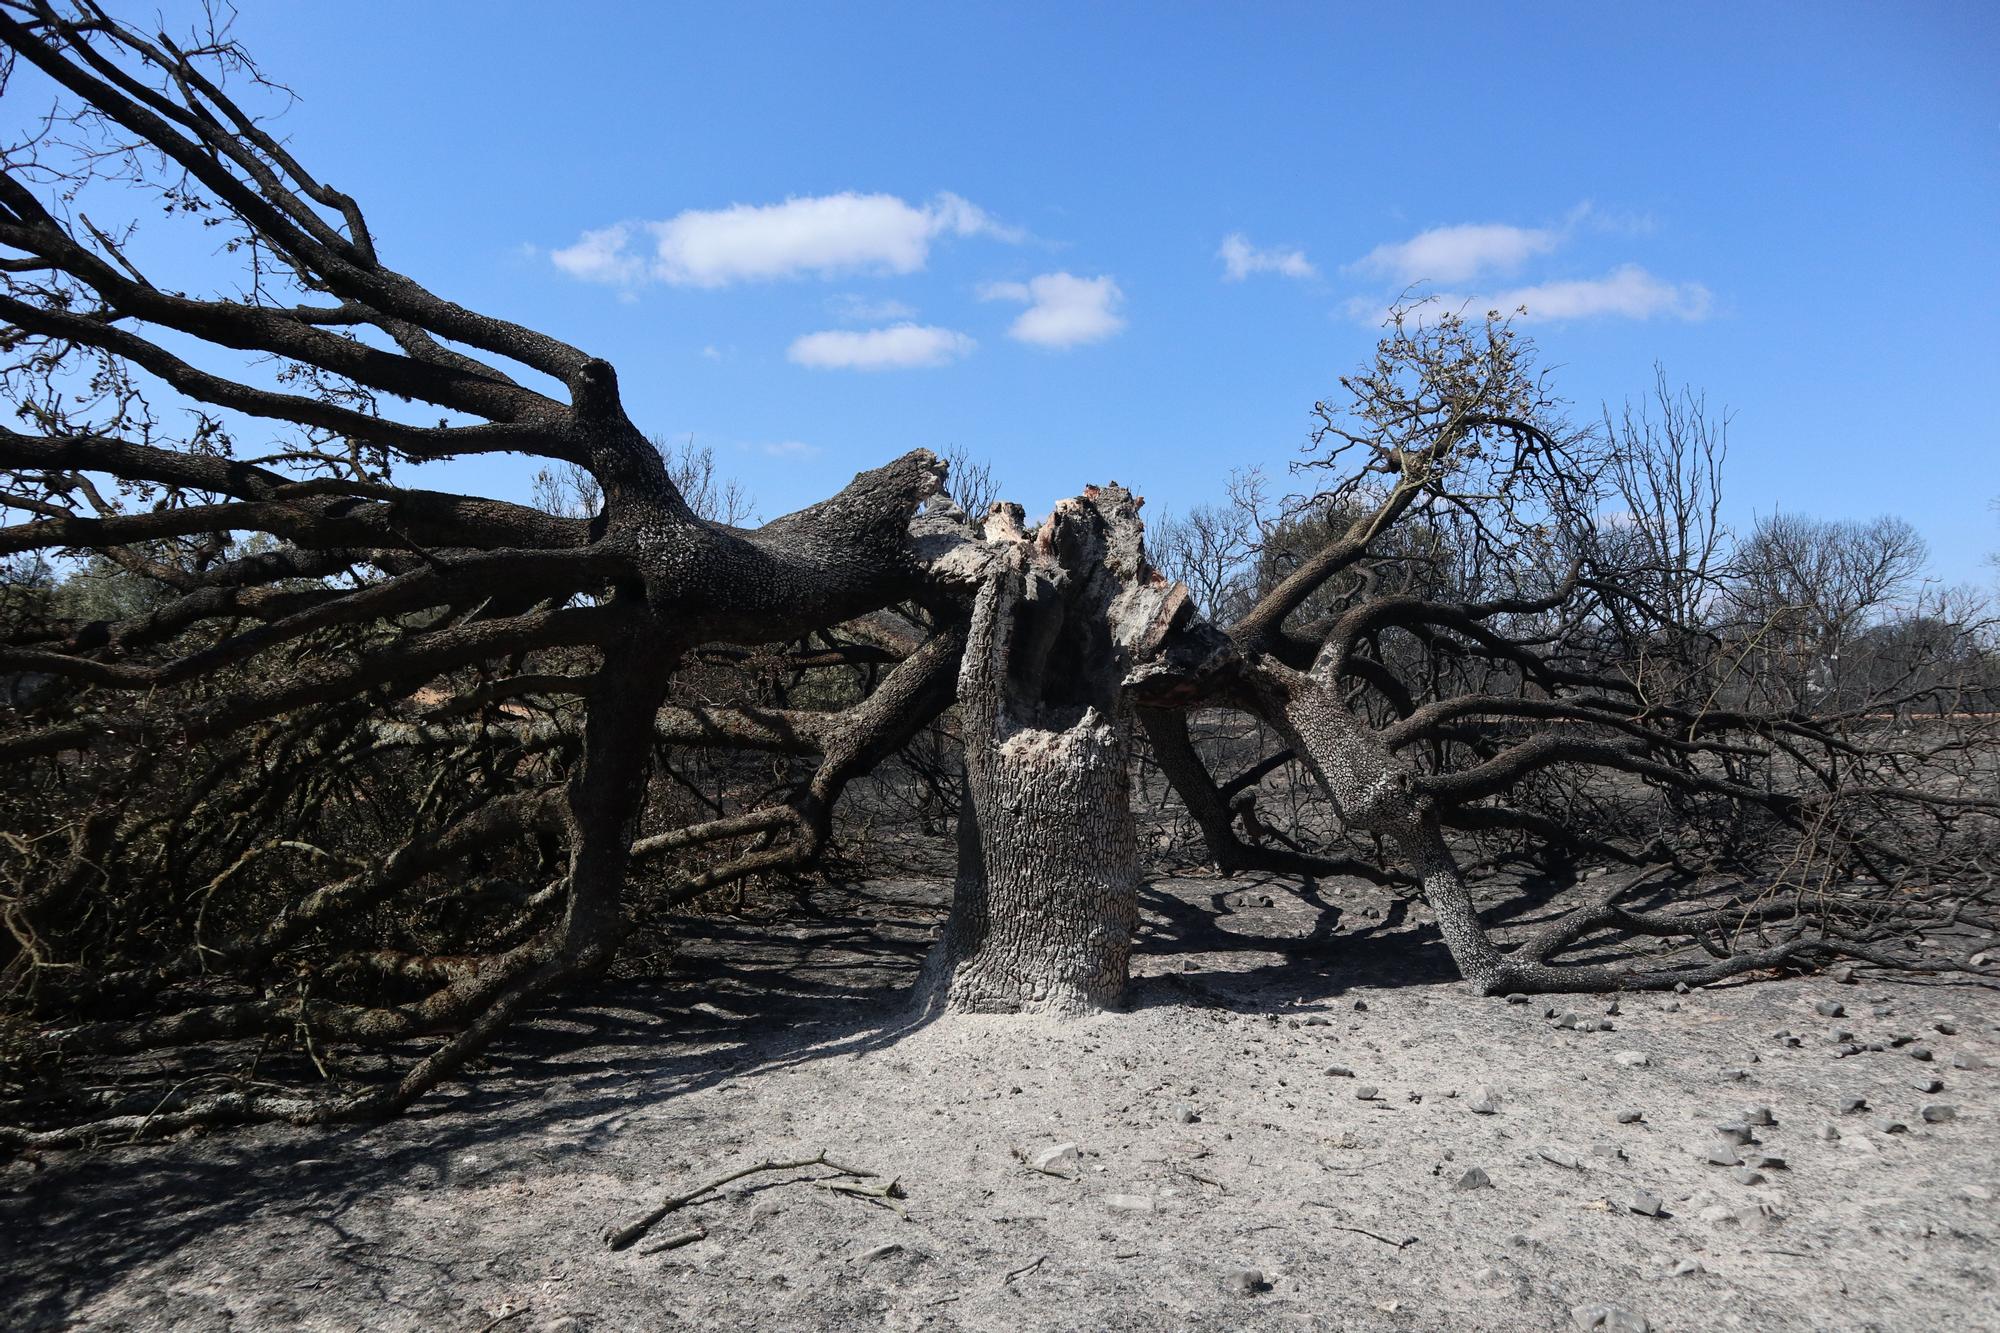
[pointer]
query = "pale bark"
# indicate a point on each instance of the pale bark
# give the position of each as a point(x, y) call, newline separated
point(1048, 875)
point(1047, 894)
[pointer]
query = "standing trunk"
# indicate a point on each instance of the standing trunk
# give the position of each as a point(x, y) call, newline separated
point(1048, 876)
point(606, 794)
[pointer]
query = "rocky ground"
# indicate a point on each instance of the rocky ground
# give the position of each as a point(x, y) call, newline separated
point(1301, 1122)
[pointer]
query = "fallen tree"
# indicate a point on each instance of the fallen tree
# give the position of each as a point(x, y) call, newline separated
point(370, 766)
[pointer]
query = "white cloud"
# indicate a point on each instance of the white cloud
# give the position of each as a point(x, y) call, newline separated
point(600, 256)
point(790, 449)
point(1627, 292)
point(711, 353)
point(898, 347)
point(823, 234)
point(1063, 309)
point(861, 310)
point(1453, 254)
point(1240, 259)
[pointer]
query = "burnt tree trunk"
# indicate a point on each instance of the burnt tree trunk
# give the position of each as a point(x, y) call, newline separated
point(1372, 791)
point(1046, 898)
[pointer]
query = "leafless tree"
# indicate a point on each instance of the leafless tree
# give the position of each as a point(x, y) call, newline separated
point(1805, 587)
point(371, 765)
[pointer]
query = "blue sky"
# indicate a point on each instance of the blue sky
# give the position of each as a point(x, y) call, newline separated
point(850, 230)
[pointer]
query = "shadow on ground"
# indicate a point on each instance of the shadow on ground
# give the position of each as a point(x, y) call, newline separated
point(827, 977)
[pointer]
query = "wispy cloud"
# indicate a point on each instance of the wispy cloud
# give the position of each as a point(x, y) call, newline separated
point(898, 347)
point(1627, 292)
point(1459, 253)
point(1240, 259)
point(602, 255)
point(790, 449)
point(862, 310)
point(1063, 309)
point(822, 235)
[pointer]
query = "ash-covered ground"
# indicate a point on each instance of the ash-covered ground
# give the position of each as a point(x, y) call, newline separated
point(1301, 1122)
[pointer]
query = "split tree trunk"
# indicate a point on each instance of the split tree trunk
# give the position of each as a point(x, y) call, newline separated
point(1048, 879)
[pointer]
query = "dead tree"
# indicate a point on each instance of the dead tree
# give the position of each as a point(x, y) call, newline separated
point(371, 766)
point(1483, 639)
point(365, 590)
point(1048, 874)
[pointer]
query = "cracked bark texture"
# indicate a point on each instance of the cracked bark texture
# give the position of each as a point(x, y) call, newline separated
point(1046, 898)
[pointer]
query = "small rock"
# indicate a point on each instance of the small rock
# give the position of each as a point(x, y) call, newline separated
point(1844, 974)
point(1830, 1009)
point(1759, 1115)
point(1569, 1020)
point(1559, 1157)
point(1612, 1009)
point(1361, 1006)
point(1746, 1175)
point(1672, 1006)
point(1938, 1113)
point(1316, 1021)
point(879, 1252)
point(1769, 1161)
point(1629, 1117)
point(1892, 1127)
point(1060, 1160)
point(1968, 1060)
point(1475, 1178)
point(1631, 1059)
point(1735, 1075)
point(1680, 988)
point(1929, 1085)
point(1839, 1036)
point(1688, 1267)
point(1920, 1053)
point(1485, 1103)
point(1718, 1215)
point(1246, 1281)
point(1339, 1071)
point(1647, 1203)
point(1829, 1133)
point(1757, 1216)
point(1734, 1132)
point(1185, 1113)
point(1367, 1092)
point(1130, 1203)
point(1853, 1105)
point(1610, 1151)
point(1946, 1027)
point(1721, 1154)
point(1517, 998)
